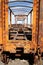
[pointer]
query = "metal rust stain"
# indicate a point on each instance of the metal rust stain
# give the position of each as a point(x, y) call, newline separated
point(37, 30)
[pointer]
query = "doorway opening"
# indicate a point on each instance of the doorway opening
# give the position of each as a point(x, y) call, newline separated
point(20, 19)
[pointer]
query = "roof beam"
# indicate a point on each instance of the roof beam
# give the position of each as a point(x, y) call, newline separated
point(11, 11)
point(20, 1)
point(30, 11)
point(20, 6)
point(21, 15)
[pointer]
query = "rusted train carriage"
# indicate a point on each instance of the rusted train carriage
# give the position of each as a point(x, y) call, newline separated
point(37, 29)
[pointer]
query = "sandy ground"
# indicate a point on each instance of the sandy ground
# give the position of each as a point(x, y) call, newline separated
point(20, 62)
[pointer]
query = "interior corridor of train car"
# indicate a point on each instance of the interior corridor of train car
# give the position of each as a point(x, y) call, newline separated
point(21, 32)
point(20, 20)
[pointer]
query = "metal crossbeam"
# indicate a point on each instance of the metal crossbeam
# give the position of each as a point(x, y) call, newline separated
point(30, 11)
point(11, 10)
point(20, 6)
point(20, 1)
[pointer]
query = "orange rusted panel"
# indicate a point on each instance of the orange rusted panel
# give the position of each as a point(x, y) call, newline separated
point(4, 20)
point(37, 30)
point(40, 42)
point(0, 24)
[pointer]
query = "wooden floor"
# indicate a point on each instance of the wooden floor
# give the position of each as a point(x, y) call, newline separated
point(17, 32)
